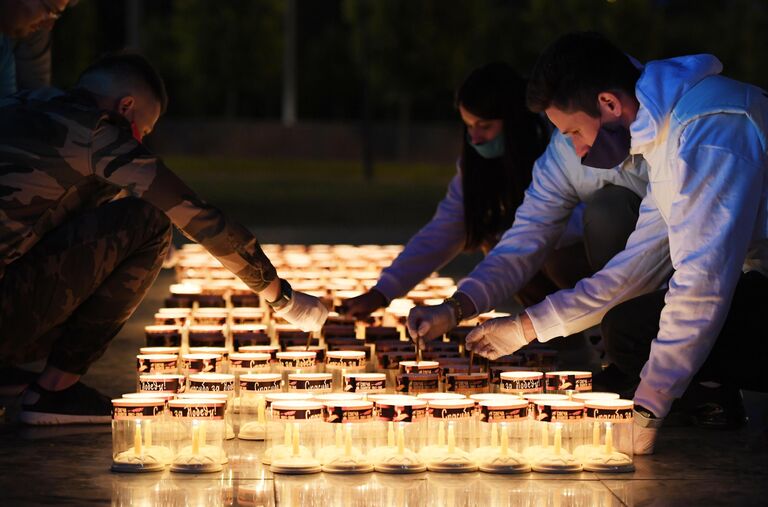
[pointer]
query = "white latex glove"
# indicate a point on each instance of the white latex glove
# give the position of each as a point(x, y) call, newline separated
point(430, 322)
point(304, 311)
point(644, 439)
point(497, 337)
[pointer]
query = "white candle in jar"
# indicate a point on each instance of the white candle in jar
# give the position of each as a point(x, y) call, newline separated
point(147, 433)
point(504, 439)
point(137, 439)
point(400, 439)
point(295, 439)
point(348, 440)
point(451, 439)
point(608, 438)
point(596, 434)
point(261, 409)
point(558, 437)
point(195, 438)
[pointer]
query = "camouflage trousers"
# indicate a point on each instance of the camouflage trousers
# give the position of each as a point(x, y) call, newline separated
point(74, 290)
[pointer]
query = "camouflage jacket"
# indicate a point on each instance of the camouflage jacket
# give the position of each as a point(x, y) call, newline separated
point(60, 154)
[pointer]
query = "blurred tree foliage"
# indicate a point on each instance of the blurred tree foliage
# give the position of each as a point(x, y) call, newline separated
point(223, 58)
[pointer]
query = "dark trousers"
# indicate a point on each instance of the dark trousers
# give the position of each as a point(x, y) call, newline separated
point(609, 218)
point(74, 290)
point(738, 356)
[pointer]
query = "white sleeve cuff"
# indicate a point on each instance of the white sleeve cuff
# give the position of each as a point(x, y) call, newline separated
point(657, 402)
point(545, 321)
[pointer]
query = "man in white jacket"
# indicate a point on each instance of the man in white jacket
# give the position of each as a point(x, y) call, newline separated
point(704, 138)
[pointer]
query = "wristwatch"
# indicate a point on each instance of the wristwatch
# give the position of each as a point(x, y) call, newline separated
point(286, 293)
point(646, 419)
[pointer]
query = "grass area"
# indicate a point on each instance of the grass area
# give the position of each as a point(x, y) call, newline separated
point(298, 192)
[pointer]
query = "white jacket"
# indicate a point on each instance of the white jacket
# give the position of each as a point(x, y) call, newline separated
point(560, 183)
point(549, 217)
point(704, 137)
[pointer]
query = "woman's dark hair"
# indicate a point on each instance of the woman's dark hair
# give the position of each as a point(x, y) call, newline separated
point(575, 69)
point(494, 188)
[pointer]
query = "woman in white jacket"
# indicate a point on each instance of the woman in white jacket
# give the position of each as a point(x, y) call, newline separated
point(502, 172)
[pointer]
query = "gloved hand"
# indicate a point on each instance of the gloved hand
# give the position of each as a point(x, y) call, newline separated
point(644, 439)
point(430, 322)
point(497, 337)
point(306, 312)
point(363, 305)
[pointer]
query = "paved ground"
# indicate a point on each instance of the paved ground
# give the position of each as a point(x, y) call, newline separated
point(70, 465)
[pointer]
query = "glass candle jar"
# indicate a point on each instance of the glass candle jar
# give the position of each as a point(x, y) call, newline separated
point(156, 363)
point(317, 349)
point(293, 437)
point(451, 436)
point(594, 395)
point(161, 383)
point(557, 431)
point(415, 383)
point(420, 367)
point(272, 350)
point(318, 383)
point(295, 362)
point(160, 350)
point(467, 383)
point(522, 382)
point(339, 362)
point(347, 435)
point(441, 396)
point(249, 362)
point(163, 336)
point(207, 336)
point(247, 315)
point(139, 443)
point(400, 434)
point(244, 335)
point(369, 383)
point(201, 363)
point(210, 316)
point(198, 429)
point(568, 382)
point(503, 428)
point(172, 316)
point(608, 436)
point(183, 295)
point(253, 405)
point(229, 426)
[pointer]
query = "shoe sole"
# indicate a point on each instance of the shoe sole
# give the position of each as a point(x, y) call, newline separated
point(46, 419)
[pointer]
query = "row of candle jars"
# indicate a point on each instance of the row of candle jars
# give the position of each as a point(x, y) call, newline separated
point(403, 434)
point(149, 434)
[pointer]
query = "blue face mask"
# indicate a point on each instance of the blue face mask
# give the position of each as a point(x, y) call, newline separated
point(491, 149)
point(611, 147)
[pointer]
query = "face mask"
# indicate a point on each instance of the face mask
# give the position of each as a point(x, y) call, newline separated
point(491, 149)
point(611, 147)
point(135, 131)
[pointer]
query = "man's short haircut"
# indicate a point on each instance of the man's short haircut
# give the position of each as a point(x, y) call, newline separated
point(574, 69)
point(131, 67)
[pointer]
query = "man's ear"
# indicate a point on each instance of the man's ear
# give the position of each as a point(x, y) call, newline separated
point(126, 105)
point(609, 104)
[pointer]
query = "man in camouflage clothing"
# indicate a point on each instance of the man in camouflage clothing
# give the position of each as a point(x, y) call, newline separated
point(75, 262)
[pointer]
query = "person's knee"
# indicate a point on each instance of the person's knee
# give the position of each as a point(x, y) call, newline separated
point(143, 216)
point(611, 202)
